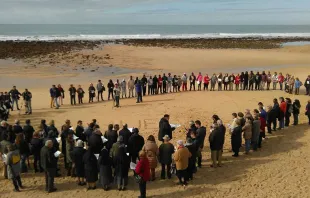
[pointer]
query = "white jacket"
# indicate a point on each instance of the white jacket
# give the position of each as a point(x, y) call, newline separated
point(131, 84)
point(274, 78)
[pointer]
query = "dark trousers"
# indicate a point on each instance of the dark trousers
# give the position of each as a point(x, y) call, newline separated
point(191, 168)
point(144, 90)
point(274, 124)
point(117, 101)
point(251, 86)
point(192, 86)
point(257, 85)
point(139, 98)
point(150, 90)
point(269, 126)
point(199, 159)
point(268, 85)
point(245, 86)
point(182, 175)
point(49, 178)
point(160, 89)
point(260, 139)
point(164, 87)
point(225, 86)
point(72, 99)
point(295, 119)
point(205, 86)
point(163, 171)
point(309, 118)
point(134, 157)
point(36, 160)
point(91, 98)
point(111, 94)
point(17, 182)
point(100, 94)
point(80, 99)
point(287, 120)
point(142, 187)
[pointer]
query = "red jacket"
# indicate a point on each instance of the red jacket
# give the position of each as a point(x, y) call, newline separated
point(237, 80)
point(206, 80)
point(281, 79)
point(283, 107)
point(143, 169)
point(160, 81)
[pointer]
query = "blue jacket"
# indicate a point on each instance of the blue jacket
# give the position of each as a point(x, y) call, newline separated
point(138, 87)
point(53, 92)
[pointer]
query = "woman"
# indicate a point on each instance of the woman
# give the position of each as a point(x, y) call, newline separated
point(91, 92)
point(151, 150)
point(226, 82)
point(160, 84)
point(271, 117)
point(13, 167)
point(77, 159)
point(296, 111)
point(69, 149)
point(91, 168)
point(105, 168)
point(165, 157)
point(36, 144)
point(24, 151)
point(52, 127)
point(143, 169)
point(220, 81)
point(308, 111)
point(297, 85)
point(199, 81)
point(237, 82)
point(62, 94)
point(291, 84)
point(289, 111)
point(175, 83)
point(256, 136)
point(81, 93)
point(236, 138)
point(121, 163)
point(247, 134)
point(269, 77)
point(206, 81)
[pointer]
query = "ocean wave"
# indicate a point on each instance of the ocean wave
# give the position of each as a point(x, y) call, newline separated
point(150, 36)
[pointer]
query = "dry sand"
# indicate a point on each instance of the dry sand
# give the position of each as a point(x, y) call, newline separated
point(280, 169)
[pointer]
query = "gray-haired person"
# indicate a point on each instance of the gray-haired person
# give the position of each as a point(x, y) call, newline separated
point(49, 164)
point(13, 167)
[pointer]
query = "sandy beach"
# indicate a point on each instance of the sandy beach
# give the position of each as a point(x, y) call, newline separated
point(280, 169)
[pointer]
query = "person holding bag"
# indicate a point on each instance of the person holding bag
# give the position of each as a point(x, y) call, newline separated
point(142, 173)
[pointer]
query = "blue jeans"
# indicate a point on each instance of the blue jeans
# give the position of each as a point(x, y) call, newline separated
point(281, 123)
point(117, 101)
point(15, 100)
point(247, 145)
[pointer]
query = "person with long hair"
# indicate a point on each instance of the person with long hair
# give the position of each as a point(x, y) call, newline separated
point(62, 94)
point(143, 170)
point(151, 150)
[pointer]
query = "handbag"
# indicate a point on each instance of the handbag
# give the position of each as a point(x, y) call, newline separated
point(138, 178)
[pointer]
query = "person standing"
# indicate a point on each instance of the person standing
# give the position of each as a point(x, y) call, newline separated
point(144, 84)
point(72, 92)
point(307, 113)
point(236, 138)
point(139, 92)
point(135, 145)
point(125, 133)
point(181, 158)
point(191, 169)
point(201, 135)
point(213, 82)
point(297, 85)
point(49, 165)
point(111, 135)
point(269, 79)
point(256, 134)
point(124, 88)
point(251, 80)
point(143, 170)
point(307, 85)
point(192, 81)
point(263, 81)
point(237, 82)
point(105, 168)
point(117, 93)
point(13, 167)
point(110, 89)
point(231, 82)
point(36, 145)
point(247, 134)
point(77, 159)
point(281, 80)
point(151, 149)
point(27, 96)
point(69, 149)
point(165, 157)
point(91, 168)
point(271, 117)
point(220, 82)
point(155, 84)
point(199, 81)
point(246, 81)
point(80, 93)
point(62, 94)
point(150, 86)
point(14, 93)
point(206, 81)
point(215, 146)
point(165, 80)
point(24, 151)
point(165, 128)
point(274, 79)
point(160, 84)
point(282, 112)
point(91, 92)
point(258, 80)
point(288, 112)
point(296, 111)
point(100, 89)
point(169, 84)
point(131, 86)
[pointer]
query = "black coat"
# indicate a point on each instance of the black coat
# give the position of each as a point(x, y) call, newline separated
point(28, 132)
point(215, 139)
point(236, 137)
point(135, 144)
point(79, 132)
point(193, 150)
point(246, 78)
point(88, 132)
point(165, 153)
point(201, 135)
point(17, 129)
point(164, 129)
point(55, 143)
point(95, 142)
point(271, 115)
point(90, 166)
point(296, 108)
point(112, 136)
point(48, 160)
point(77, 158)
point(64, 135)
point(54, 129)
point(126, 135)
point(222, 134)
point(23, 148)
point(36, 145)
point(105, 167)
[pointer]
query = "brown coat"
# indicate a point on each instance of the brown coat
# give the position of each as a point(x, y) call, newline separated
point(152, 151)
point(247, 130)
point(181, 157)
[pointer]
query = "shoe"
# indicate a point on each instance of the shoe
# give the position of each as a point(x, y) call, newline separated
point(79, 183)
point(18, 109)
point(21, 187)
point(16, 190)
point(123, 188)
point(219, 165)
point(235, 155)
point(29, 113)
point(52, 190)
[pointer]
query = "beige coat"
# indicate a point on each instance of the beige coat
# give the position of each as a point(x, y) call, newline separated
point(152, 151)
point(181, 158)
point(247, 130)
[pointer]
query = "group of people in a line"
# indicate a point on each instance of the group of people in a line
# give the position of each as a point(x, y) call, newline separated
point(93, 156)
point(162, 84)
point(10, 99)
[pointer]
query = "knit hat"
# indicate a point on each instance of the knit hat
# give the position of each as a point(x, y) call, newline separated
point(166, 137)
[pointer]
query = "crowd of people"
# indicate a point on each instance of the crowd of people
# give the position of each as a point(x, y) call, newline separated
point(163, 84)
point(93, 156)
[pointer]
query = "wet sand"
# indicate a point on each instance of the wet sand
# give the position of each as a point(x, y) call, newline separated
point(280, 169)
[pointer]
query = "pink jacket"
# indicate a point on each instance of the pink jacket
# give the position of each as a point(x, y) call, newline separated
point(199, 78)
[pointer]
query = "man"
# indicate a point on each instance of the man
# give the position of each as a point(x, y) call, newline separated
point(111, 135)
point(49, 165)
point(263, 81)
point(165, 128)
point(117, 93)
point(166, 151)
point(181, 158)
point(191, 169)
point(258, 80)
point(135, 145)
point(184, 82)
point(169, 83)
point(144, 84)
point(79, 131)
point(17, 128)
point(281, 80)
point(165, 81)
point(215, 146)
point(13, 166)
point(124, 88)
point(131, 86)
point(213, 82)
point(125, 133)
point(14, 93)
point(150, 86)
point(95, 142)
point(139, 91)
point(192, 82)
point(155, 84)
point(72, 92)
point(27, 96)
point(100, 89)
point(251, 80)
point(53, 94)
point(307, 85)
point(231, 80)
point(274, 79)
point(28, 131)
point(201, 134)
